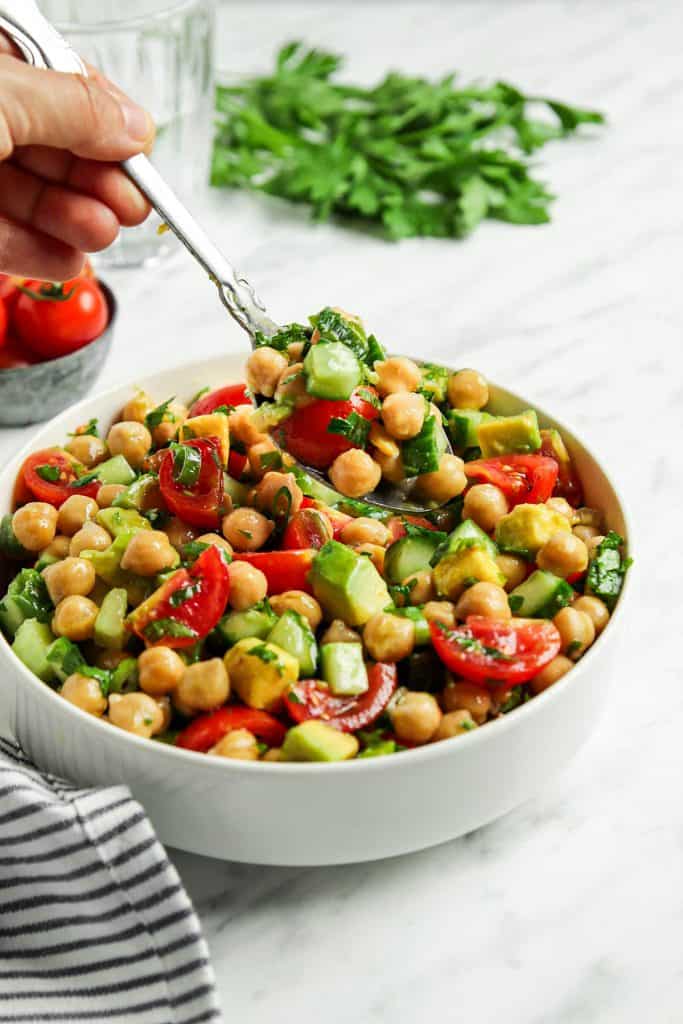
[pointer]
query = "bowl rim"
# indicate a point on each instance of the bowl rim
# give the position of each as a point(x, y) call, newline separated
point(419, 755)
point(15, 372)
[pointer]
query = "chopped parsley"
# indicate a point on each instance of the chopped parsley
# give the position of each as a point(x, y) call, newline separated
point(287, 335)
point(187, 464)
point(161, 628)
point(162, 413)
point(193, 549)
point(574, 647)
point(369, 396)
point(266, 655)
point(294, 698)
point(354, 428)
point(91, 428)
point(607, 570)
point(48, 472)
point(200, 394)
point(183, 594)
point(333, 326)
point(87, 478)
point(224, 410)
point(271, 460)
point(516, 602)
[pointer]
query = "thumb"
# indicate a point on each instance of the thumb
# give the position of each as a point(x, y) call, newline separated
point(65, 111)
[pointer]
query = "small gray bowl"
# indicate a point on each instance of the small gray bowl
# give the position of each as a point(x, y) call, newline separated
point(31, 394)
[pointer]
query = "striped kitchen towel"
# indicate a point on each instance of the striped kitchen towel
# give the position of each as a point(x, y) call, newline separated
point(94, 922)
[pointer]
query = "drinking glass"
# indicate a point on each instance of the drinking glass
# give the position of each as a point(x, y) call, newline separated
point(160, 53)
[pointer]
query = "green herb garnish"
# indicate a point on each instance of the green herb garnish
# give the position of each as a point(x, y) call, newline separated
point(607, 570)
point(162, 413)
point(161, 628)
point(49, 473)
point(91, 428)
point(286, 336)
point(354, 428)
point(187, 464)
point(88, 478)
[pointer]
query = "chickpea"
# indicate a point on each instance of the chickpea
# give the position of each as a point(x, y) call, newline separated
point(447, 482)
point(257, 453)
point(179, 533)
point(268, 492)
point(264, 368)
point(365, 531)
point(513, 568)
point(374, 552)
point(391, 466)
point(58, 548)
point(339, 633)
point(160, 670)
point(467, 389)
point(34, 525)
point(594, 608)
point(403, 414)
point(244, 426)
point(562, 506)
point(164, 705)
point(239, 744)
point(85, 693)
point(148, 552)
point(292, 385)
point(174, 417)
point(563, 554)
point(90, 537)
point(461, 695)
point(355, 473)
point(136, 713)
point(107, 493)
point(130, 439)
point(454, 723)
point(75, 512)
point(389, 637)
point(138, 407)
point(215, 538)
point(589, 517)
point(397, 374)
point(415, 717)
point(548, 675)
point(248, 585)
point(421, 586)
point(487, 599)
point(576, 630)
point(246, 529)
point(89, 450)
point(585, 533)
point(298, 601)
point(440, 611)
point(75, 617)
point(274, 754)
point(379, 439)
point(486, 505)
point(203, 686)
point(72, 576)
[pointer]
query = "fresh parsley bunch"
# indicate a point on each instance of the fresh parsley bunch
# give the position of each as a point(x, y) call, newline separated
point(416, 157)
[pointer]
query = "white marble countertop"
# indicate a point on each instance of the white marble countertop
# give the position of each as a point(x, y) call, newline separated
point(568, 910)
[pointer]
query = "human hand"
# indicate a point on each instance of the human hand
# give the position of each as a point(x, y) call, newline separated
point(62, 193)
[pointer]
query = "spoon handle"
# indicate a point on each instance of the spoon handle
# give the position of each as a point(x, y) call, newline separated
point(43, 46)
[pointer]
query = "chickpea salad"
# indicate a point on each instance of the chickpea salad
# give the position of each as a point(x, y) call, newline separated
point(177, 574)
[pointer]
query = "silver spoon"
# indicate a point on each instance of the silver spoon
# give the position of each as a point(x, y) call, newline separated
point(42, 46)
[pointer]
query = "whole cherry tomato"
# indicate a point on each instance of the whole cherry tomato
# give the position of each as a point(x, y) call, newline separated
point(54, 320)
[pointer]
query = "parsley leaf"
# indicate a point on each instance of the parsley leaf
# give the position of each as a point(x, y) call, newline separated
point(162, 413)
point(91, 427)
point(49, 473)
point(607, 570)
point(161, 628)
point(287, 335)
point(87, 478)
point(187, 464)
point(355, 428)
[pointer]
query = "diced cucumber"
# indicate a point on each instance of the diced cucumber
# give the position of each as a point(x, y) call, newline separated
point(422, 634)
point(540, 596)
point(65, 658)
point(235, 626)
point(235, 490)
point(343, 669)
point(423, 452)
point(317, 741)
point(115, 471)
point(314, 488)
point(292, 634)
point(135, 494)
point(110, 629)
point(120, 521)
point(9, 545)
point(466, 535)
point(26, 598)
point(332, 370)
point(409, 555)
point(31, 644)
point(124, 678)
point(463, 425)
point(434, 382)
point(12, 614)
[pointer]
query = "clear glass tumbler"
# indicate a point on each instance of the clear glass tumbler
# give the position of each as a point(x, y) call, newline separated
point(161, 54)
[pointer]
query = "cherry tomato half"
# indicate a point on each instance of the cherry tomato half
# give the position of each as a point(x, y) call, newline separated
point(206, 731)
point(284, 570)
point(54, 320)
point(308, 528)
point(493, 650)
point(202, 503)
point(396, 525)
point(309, 698)
point(232, 394)
point(522, 478)
point(305, 433)
point(49, 476)
point(186, 606)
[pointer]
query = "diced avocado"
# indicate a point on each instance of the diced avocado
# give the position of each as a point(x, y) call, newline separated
point(31, 645)
point(110, 629)
point(235, 490)
point(12, 614)
point(65, 658)
point(136, 494)
point(9, 545)
point(292, 633)
point(115, 471)
point(343, 669)
point(423, 452)
point(332, 370)
point(255, 622)
point(466, 535)
point(527, 528)
point(508, 434)
point(540, 596)
point(26, 598)
point(122, 521)
point(214, 424)
point(260, 673)
point(422, 634)
point(410, 554)
point(347, 584)
point(469, 565)
point(554, 446)
point(463, 425)
point(316, 741)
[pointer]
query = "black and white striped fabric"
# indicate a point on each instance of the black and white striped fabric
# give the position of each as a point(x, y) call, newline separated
point(94, 922)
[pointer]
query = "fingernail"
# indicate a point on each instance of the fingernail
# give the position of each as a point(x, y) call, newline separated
point(137, 121)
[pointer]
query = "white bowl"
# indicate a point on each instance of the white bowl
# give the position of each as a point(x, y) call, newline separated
point(311, 814)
